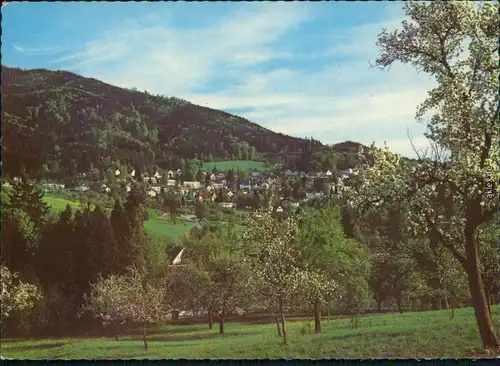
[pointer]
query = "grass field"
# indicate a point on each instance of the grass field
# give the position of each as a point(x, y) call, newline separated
point(164, 227)
point(409, 335)
point(234, 164)
point(158, 226)
point(59, 204)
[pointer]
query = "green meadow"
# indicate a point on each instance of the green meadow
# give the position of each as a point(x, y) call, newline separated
point(410, 335)
point(234, 164)
point(158, 226)
point(164, 227)
point(59, 204)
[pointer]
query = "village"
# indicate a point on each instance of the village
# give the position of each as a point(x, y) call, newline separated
point(222, 188)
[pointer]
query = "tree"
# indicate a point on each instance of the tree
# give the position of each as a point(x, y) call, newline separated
point(55, 255)
point(190, 286)
point(463, 127)
point(15, 295)
point(199, 210)
point(228, 273)
point(276, 272)
point(199, 176)
point(128, 230)
point(335, 265)
point(20, 239)
point(132, 296)
point(27, 196)
point(107, 300)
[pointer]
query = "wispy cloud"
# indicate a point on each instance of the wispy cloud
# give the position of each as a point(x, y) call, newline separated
point(39, 51)
point(249, 62)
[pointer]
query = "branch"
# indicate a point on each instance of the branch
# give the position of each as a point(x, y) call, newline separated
point(445, 242)
point(488, 215)
point(412, 145)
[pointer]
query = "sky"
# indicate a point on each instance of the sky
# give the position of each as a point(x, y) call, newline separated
point(303, 69)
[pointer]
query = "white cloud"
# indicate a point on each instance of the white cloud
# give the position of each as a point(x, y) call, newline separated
point(39, 51)
point(344, 99)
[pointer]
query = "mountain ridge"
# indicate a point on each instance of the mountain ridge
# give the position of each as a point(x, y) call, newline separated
point(76, 124)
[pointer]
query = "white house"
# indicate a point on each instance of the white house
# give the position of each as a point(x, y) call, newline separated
point(157, 175)
point(230, 194)
point(178, 258)
point(117, 173)
point(45, 185)
point(279, 209)
point(82, 188)
point(170, 182)
point(194, 185)
point(228, 204)
point(132, 173)
point(328, 173)
point(151, 193)
point(212, 176)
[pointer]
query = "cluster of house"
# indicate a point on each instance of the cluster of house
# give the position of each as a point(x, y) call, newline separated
point(195, 190)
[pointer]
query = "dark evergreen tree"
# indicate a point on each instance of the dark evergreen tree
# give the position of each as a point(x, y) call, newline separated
point(55, 255)
point(26, 195)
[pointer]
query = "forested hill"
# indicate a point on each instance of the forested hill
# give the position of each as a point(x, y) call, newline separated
point(71, 124)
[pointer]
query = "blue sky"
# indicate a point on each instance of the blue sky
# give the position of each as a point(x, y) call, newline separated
point(297, 68)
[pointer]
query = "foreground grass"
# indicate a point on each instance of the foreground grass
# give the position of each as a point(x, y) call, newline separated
point(409, 335)
point(234, 164)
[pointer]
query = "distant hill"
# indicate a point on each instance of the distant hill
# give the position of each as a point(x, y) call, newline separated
point(70, 124)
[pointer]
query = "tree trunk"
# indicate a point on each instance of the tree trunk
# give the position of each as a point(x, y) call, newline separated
point(434, 302)
point(400, 306)
point(283, 326)
point(488, 301)
point(144, 337)
point(317, 318)
point(221, 323)
point(278, 325)
point(328, 315)
point(452, 304)
point(476, 287)
point(210, 319)
point(445, 304)
point(379, 305)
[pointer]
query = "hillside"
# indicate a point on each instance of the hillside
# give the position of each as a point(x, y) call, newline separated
point(74, 124)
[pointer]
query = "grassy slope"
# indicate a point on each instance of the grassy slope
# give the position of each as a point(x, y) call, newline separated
point(409, 335)
point(162, 226)
point(157, 226)
point(234, 164)
point(59, 204)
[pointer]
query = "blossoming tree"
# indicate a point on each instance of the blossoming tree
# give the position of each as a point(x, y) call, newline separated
point(462, 171)
point(15, 295)
point(133, 297)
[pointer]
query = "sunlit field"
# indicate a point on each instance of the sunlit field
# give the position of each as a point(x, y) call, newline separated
point(235, 164)
point(410, 335)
